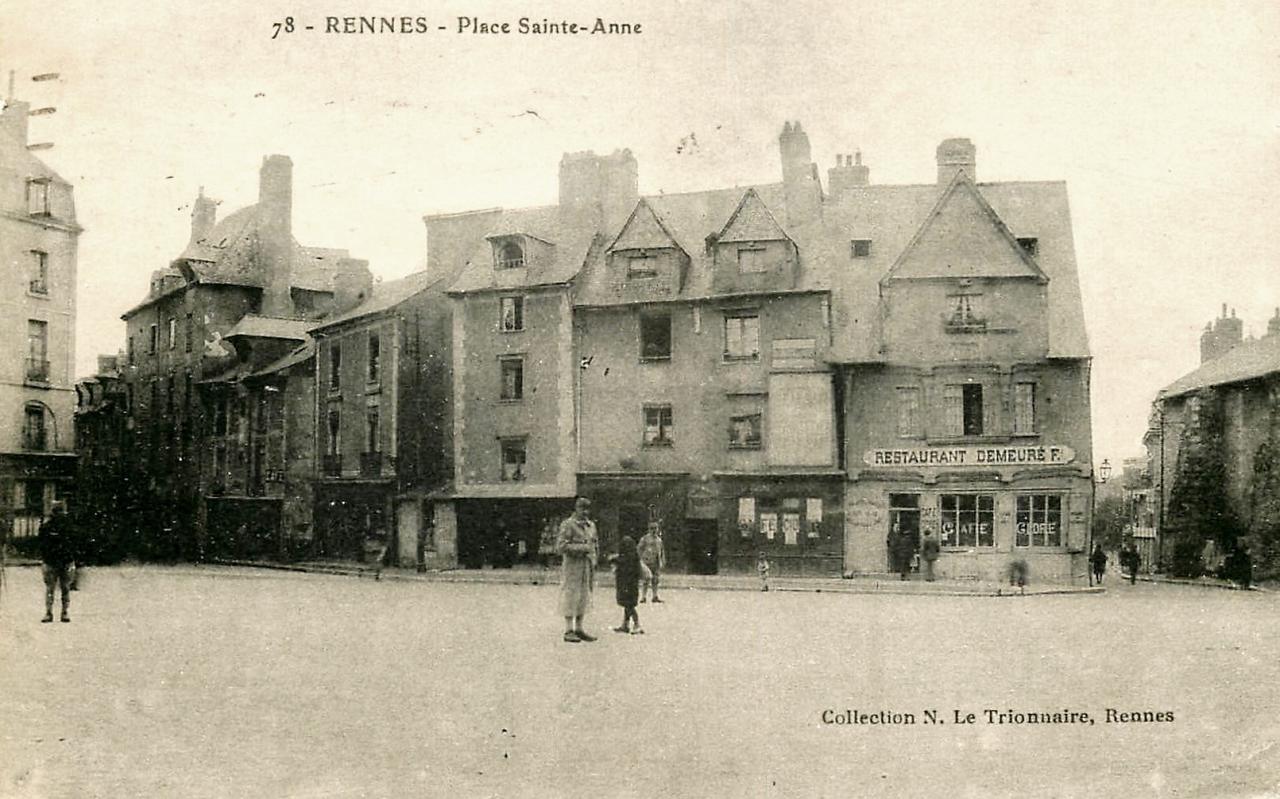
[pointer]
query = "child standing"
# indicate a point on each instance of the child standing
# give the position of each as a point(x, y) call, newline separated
point(762, 569)
point(626, 579)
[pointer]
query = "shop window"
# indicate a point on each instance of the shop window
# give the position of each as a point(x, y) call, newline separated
point(968, 520)
point(513, 458)
point(744, 431)
point(659, 427)
point(655, 336)
point(1024, 408)
point(742, 336)
point(908, 412)
point(1039, 520)
point(512, 376)
point(511, 314)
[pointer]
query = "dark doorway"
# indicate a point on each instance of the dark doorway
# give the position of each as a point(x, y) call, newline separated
point(904, 514)
point(704, 546)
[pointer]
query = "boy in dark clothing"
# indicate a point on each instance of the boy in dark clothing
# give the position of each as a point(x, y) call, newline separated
point(57, 553)
point(626, 578)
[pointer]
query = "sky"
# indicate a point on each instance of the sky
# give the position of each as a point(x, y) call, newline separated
point(1162, 117)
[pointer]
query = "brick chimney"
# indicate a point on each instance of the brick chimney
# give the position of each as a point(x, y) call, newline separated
point(204, 215)
point(800, 182)
point(275, 234)
point(846, 174)
point(955, 155)
point(602, 190)
point(1222, 336)
point(13, 120)
point(352, 284)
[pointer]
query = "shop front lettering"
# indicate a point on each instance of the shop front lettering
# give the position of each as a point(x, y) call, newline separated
point(1045, 455)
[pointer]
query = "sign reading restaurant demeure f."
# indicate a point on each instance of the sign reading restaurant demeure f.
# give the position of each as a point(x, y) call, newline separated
point(1038, 455)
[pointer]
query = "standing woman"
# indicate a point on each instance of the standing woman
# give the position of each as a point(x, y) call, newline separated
point(577, 544)
point(1098, 562)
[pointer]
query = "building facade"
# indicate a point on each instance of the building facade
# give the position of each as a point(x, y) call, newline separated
point(38, 245)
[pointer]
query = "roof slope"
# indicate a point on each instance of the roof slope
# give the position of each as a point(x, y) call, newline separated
point(384, 296)
point(752, 221)
point(252, 326)
point(572, 237)
point(643, 231)
point(1248, 361)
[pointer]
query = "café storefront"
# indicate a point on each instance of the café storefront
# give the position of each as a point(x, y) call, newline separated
point(989, 506)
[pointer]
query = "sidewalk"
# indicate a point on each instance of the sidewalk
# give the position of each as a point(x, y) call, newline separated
point(862, 584)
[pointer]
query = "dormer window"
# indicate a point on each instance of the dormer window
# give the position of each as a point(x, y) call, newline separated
point(38, 196)
point(751, 260)
point(510, 255)
point(860, 248)
point(641, 265)
point(1030, 245)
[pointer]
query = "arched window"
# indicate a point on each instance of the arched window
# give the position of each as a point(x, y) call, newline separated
point(36, 421)
point(510, 256)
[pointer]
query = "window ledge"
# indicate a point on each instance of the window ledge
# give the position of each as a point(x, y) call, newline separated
point(658, 444)
point(40, 295)
point(748, 447)
point(513, 330)
point(655, 359)
point(975, 440)
point(510, 400)
point(741, 359)
point(374, 387)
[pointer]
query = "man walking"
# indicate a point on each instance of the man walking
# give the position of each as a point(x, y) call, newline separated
point(929, 549)
point(652, 555)
point(577, 544)
point(57, 553)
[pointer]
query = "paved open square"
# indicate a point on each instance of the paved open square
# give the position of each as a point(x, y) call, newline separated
point(216, 682)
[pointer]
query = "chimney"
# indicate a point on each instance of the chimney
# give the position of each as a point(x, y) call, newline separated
point(352, 284)
point(275, 234)
point(956, 155)
point(204, 214)
point(800, 183)
point(1273, 325)
point(846, 174)
point(13, 120)
point(601, 190)
point(1222, 336)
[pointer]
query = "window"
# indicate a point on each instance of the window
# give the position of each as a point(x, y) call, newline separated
point(1030, 245)
point(512, 370)
point(963, 405)
point(335, 366)
point(641, 266)
point(965, 315)
point(861, 248)
point(372, 438)
point(37, 350)
point(742, 336)
point(375, 354)
point(513, 459)
point(128, 353)
point(511, 314)
point(655, 336)
point(1039, 520)
point(33, 428)
point(333, 445)
point(173, 333)
point(751, 260)
point(38, 197)
point(154, 342)
point(908, 412)
point(968, 520)
point(744, 431)
point(191, 333)
point(39, 283)
point(32, 497)
point(1024, 408)
point(510, 256)
point(658, 427)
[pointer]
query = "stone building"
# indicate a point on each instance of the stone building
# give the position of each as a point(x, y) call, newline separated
point(1243, 380)
point(214, 353)
point(38, 241)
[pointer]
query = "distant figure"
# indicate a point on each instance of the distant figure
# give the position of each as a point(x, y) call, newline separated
point(1239, 566)
point(891, 546)
point(1018, 572)
point(1130, 560)
point(762, 569)
point(1097, 564)
point(654, 557)
point(626, 580)
point(577, 544)
point(57, 553)
point(929, 549)
point(904, 547)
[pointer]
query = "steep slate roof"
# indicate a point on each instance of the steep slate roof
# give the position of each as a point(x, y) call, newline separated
point(572, 237)
point(643, 230)
point(751, 221)
point(1248, 361)
point(383, 297)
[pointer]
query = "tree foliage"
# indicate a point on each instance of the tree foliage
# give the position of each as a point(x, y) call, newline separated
point(1198, 507)
point(1264, 516)
point(1109, 518)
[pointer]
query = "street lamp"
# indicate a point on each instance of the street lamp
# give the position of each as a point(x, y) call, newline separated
point(1104, 471)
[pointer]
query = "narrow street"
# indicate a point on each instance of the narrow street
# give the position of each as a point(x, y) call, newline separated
point(222, 682)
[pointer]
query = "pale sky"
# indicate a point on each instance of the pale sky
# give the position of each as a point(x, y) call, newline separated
point(1162, 117)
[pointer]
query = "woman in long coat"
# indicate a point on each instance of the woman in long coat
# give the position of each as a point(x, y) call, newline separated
point(577, 544)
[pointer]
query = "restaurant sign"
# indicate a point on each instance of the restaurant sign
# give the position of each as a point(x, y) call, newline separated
point(1039, 455)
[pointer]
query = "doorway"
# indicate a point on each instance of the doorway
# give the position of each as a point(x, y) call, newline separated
point(704, 546)
point(904, 514)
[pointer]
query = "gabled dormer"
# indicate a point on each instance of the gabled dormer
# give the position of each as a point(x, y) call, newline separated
point(962, 284)
point(645, 261)
point(517, 251)
point(752, 252)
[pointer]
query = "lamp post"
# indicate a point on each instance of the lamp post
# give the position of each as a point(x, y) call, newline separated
point(1104, 471)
